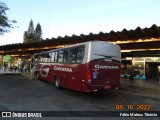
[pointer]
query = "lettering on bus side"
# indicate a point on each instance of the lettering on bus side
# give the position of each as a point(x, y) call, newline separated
point(62, 69)
point(106, 67)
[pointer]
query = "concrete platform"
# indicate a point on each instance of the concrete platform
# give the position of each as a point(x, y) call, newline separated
point(8, 72)
point(147, 84)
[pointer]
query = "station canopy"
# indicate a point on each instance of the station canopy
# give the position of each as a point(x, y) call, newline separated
point(134, 41)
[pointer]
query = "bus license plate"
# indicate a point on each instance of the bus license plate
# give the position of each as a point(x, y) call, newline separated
point(107, 87)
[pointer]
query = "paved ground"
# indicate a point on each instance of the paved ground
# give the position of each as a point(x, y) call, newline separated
point(18, 93)
point(148, 84)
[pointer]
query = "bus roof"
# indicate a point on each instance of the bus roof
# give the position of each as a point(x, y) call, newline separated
point(78, 44)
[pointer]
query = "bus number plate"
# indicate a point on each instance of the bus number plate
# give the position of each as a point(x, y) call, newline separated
point(107, 87)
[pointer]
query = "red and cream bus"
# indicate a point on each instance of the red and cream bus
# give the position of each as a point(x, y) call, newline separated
point(89, 66)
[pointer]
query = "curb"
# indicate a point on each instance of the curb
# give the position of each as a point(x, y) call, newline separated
point(123, 85)
point(2, 72)
point(10, 73)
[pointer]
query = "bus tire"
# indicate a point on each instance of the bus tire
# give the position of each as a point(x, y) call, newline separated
point(56, 82)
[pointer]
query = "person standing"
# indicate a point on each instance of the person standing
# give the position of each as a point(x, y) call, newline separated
point(143, 77)
point(5, 66)
point(125, 76)
point(131, 77)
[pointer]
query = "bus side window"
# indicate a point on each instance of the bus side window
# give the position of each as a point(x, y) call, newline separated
point(49, 57)
point(72, 55)
point(37, 59)
point(55, 56)
point(80, 54)
point(46, 58)
point(52, 57)
point(65, 56)
point(42, 57)
point(60, 56)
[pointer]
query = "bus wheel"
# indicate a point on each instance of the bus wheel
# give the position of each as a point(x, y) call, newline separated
point(56, 82)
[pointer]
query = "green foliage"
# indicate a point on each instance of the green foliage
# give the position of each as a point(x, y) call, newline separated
point(38, 33)
point(28, 36)
point(32, 35)
point(25, 37)
point(5, 23)
point(31, 27)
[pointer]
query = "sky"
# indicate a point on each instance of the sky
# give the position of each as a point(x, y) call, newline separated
point(68, 17)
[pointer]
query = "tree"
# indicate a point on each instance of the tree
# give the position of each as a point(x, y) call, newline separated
point(31, 27)
point(5, 23)
point(30, 32)
point(25, 37)
point(32, 35)
point(38, 33)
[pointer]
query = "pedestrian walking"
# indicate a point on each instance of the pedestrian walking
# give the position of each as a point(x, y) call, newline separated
point(143, 77)
point(5, 66)
point(26, 69)
point(125, 76)
point(131, 77)
point(137, 77)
